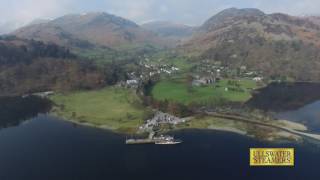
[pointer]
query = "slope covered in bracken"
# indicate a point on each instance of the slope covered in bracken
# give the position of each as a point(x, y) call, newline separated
point(276, 44)
point(90, 29)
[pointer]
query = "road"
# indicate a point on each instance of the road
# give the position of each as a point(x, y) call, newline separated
point(237, 118)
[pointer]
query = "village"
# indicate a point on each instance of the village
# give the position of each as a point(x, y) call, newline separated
point(206, 73)
point(209, 71)
point(161, 118)
point(148, 71)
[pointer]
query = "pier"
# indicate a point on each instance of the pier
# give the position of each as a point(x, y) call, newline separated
point(149, 140)
point(164, 140)
point(158, 119)
point(140, 141)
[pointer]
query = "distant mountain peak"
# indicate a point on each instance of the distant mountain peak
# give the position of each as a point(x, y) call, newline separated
point(95, 28)
point(242, 12)
point(93, 18)
point(231, 14)
point(263, 42)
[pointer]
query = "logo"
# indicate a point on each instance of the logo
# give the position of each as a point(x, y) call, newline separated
point(271, 157)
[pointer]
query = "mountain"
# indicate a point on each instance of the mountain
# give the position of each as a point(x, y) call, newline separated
point(50, 33)
point(9, 26)
point(277, 44)
point(85, 30)
point(229, 16)
point(314, 19)
point(38, 21)
point(169, 29)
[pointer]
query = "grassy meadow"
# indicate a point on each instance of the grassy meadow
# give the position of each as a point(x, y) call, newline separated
point(114, 108)
point(178, 90)
point(209, 122)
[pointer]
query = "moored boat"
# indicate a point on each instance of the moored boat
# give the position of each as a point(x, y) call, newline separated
point(160, 140)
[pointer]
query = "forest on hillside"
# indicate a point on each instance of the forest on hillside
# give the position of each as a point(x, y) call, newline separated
point(28, 66)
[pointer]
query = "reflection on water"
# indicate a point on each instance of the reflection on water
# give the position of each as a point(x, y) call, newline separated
point(14, 110)
point(298, 102)
point(308, 115)
point(285, 96)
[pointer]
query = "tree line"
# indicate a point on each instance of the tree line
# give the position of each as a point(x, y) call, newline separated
point(29, 66)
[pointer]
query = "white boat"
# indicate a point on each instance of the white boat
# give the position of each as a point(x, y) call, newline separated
point(162, 140)
point(166, 140)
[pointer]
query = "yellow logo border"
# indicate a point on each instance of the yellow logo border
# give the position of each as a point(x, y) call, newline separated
point(266, 153)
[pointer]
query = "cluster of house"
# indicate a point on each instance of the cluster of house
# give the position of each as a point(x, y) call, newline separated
point(132, 83)
point(218, 70)
point(147, 71)
point(258, 79)
point(161, 118)
point(204, 80)
point(158, 69)
point(250, 74)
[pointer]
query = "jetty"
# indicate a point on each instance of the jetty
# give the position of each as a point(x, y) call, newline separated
point(154, 140)
point(149, 140)
point(158, 119)
point(140, 141)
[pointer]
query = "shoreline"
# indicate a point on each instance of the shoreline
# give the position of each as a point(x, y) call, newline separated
point(274, 136)
point(104, 127)
point(88, 124)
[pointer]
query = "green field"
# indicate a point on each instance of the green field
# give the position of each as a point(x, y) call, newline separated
point(208, 122)
point(114, 108)
point(178, 90)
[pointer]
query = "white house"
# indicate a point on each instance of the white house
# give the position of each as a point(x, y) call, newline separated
point(132, 82)
point(257, 79)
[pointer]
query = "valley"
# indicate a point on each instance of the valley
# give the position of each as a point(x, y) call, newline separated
point(159, 89)
point(109, 72)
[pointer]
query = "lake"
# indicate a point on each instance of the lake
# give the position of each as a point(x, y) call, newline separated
point(46, 147)
point(308, 115)
point(297, 102)
point(14, 110)
point(279, 97)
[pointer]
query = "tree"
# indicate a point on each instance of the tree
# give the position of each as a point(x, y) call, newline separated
point(189, 83)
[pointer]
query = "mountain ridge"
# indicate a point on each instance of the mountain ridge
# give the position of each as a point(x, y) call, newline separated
point(276, 44)
point(96, 28)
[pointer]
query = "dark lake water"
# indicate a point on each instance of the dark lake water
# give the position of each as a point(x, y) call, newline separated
point(281, 97)
point(298, 102)
point(308, 115)
point(49, 148)
point(15, 110)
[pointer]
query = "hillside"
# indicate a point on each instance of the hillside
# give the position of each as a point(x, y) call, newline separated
point(28, 66)
point(170, 30)
point(279, 45)
point(86, 30)
point(314, 19)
